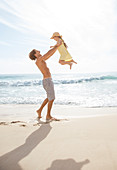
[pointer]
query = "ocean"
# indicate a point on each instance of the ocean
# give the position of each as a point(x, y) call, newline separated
point(83, 90)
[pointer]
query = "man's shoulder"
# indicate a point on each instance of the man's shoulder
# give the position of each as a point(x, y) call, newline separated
point(37, 62)
point(40, 59)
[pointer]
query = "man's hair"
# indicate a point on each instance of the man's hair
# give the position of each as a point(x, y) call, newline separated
point(32, 55)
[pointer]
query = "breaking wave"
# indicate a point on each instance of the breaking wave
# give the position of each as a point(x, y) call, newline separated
point(18, 83)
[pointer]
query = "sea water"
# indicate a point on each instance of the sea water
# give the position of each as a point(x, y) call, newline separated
point(83, 90)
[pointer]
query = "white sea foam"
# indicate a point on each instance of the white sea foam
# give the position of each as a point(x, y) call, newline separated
point(84, 90)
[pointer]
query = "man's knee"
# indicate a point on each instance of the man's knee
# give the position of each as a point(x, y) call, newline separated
point(51, 100)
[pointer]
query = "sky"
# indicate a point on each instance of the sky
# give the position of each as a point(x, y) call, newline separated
point(89, 28)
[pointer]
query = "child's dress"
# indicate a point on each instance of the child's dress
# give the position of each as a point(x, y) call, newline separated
point(64, 54)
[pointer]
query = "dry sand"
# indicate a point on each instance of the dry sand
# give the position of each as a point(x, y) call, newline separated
point(86, 141)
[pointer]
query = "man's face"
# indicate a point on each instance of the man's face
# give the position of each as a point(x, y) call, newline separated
point(37, 53)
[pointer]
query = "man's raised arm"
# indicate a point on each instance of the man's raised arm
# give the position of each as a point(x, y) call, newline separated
point(50, 52)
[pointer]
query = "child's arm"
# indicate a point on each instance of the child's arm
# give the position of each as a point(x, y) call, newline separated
point(59, 42)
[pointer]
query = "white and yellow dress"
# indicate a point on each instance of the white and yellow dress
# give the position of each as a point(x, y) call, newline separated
point(64, 54)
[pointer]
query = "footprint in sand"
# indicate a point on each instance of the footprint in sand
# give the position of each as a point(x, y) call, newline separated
point(23, 125)
point(3, 123)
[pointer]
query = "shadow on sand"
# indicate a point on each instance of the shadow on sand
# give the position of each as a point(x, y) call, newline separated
point(10, 160)
point(67, 164)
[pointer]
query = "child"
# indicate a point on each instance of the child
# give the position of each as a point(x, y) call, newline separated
point(65, 57)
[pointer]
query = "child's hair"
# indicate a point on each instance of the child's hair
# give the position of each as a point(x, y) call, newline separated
point(63, 42)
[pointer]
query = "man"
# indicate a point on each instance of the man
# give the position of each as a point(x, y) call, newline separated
point(47, 80)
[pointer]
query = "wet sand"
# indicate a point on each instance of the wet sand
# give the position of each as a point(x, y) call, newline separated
point(83, 139)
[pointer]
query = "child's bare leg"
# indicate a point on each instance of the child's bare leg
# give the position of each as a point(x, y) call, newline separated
point(62, 62)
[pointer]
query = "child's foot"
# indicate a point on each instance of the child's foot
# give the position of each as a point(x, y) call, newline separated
point(39, 114)
point(70, 65)
point(74, 62)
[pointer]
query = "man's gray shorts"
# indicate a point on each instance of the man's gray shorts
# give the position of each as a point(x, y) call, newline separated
point(49, 88)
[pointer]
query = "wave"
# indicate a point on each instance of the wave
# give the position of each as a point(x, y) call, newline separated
point(20, 83)
point(39, 82)
point(83, 80)
point(33, 100)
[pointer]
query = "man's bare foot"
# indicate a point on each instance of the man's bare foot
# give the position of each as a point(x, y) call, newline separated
point(39, 114)
point(70, 65)
point(50, 118)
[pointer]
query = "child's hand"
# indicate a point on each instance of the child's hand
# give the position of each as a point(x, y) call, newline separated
point(51, 46)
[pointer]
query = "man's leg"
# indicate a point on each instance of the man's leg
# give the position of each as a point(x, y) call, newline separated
point(41, 108)
point(50, 103)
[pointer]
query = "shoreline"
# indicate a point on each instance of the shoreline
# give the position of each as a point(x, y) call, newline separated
point(84, 138)
point(88, 143)
point(75, 105)
point(27, 112)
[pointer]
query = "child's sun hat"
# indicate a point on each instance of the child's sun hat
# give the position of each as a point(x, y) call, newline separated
point(56, 34)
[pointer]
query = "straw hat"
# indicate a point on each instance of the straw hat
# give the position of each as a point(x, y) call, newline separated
point(56, 34)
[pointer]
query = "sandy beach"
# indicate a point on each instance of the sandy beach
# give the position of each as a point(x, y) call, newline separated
point(83, 139)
